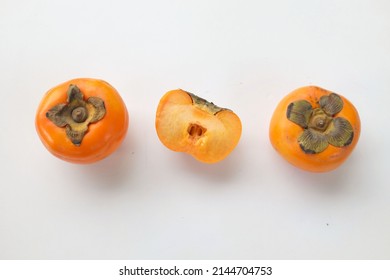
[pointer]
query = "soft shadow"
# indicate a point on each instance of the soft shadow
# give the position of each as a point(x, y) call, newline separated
point(335, 182)
point(111, 172)
point(219, 173)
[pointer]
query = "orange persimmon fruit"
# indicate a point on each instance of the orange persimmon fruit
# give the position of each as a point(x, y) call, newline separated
point(314, 129)
point(82, 120)
point(187, 123)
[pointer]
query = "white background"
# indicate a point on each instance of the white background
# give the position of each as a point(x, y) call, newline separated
point(146, 202)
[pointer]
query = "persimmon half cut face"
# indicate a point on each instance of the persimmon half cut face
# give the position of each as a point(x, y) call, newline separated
point(315, 129)
point(187, 123)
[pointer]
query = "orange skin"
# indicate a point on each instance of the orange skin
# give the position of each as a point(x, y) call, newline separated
point(102, 137)
point(284, 133)
point(176, 113)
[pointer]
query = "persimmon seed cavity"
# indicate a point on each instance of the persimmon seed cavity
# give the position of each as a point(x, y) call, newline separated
point(195, 130)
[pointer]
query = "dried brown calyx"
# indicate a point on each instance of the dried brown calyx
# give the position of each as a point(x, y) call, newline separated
point(77, 114)
point(205, 105)
point(321, 126)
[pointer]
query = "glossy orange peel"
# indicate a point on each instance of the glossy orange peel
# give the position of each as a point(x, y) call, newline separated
point(82, 120)
point(315, 129)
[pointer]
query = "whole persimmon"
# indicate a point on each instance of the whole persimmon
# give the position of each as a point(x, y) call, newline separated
point(190, 124)
point(314, 129)
point(82, 120)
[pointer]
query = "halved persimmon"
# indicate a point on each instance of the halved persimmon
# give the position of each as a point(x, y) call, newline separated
point(82, 120)
point(315, 129)
point(187, 123)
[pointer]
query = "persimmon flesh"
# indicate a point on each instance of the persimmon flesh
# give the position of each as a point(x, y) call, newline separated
point(187, 123)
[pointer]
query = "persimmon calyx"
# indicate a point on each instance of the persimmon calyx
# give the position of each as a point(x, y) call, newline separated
point(77, 114)
point(205, 105)
point(320, 125)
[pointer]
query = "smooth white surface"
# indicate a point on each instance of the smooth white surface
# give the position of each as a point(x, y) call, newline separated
point(146, 202)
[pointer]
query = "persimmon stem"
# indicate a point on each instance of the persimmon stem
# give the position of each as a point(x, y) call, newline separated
point(79, 114)
point(319, 120)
